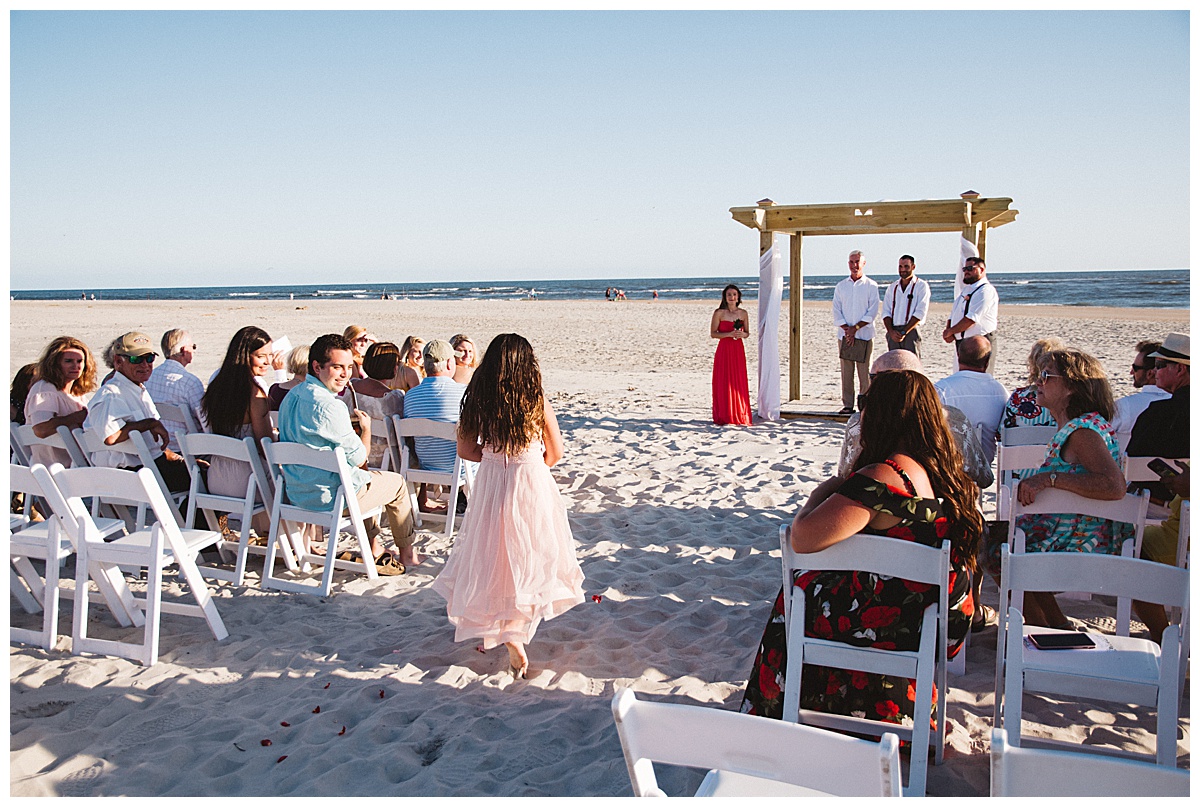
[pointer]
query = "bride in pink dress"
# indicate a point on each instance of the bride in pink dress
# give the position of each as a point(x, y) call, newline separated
point(513, 563)
point(730, 389)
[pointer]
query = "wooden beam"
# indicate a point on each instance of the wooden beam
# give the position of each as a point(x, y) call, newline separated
point(860, 218)
point(796, 321)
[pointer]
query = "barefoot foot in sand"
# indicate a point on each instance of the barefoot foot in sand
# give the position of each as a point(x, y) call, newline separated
point(518, 662)
point(408, 556)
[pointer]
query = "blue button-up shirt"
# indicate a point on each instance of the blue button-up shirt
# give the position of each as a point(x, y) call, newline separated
point(312, 415)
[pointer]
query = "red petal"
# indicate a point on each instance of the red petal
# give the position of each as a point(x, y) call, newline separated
point(284, 723)
point(281, 759)
point(480, 649)
point(343, 731)
point(381, 693)
point(317, 711)
point(266, 742)
point(596, 598)
point(325, 687)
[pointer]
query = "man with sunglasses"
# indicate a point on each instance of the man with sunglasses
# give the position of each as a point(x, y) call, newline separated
point(123, 405)
point(975, 309)
point(1143, 375)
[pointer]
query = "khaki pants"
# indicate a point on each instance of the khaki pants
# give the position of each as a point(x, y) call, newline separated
point(388, 490)
point(854, 357)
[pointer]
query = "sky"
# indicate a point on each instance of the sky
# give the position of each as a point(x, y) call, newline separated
point(269, 148)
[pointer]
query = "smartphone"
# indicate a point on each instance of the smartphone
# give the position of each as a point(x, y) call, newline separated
point(1161, 468)
point(1061, 641)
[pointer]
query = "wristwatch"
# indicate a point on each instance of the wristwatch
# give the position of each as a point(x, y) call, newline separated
point(1053, 477)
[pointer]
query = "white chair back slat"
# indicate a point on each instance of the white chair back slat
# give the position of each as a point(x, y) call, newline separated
point(402, 431)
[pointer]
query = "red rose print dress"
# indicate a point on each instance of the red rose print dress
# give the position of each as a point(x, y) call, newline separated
point(867, 610)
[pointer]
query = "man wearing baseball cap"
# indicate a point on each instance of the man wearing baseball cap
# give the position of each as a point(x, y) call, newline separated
point(437, 397)
point(123, 406)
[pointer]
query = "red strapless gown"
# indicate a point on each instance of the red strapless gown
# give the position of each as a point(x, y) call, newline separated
point(730, 390)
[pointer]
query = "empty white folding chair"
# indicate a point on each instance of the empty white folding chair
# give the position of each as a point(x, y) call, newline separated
point(160, 545)
point(1037, 772)
point(178, 419)
point(748, 755)
point(240, 510)
point(405, 428)
point(1123, 669)
point(42, 541)
point(344, 513)
point(926, 665)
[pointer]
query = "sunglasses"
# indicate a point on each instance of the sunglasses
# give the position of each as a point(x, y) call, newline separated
point(1045, 374)
point(1161, 363)
point(1139, 367)
point(147, 358)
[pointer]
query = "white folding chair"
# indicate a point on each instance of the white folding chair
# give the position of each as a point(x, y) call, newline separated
point(137, 446)
point(404, 428)
point(344, 513)
point(177, 420)
point(1137, 470)
point(1134, 671)
point(152, 549)
point(60, 439)
point(1011, 460)
point(240, 510)
point(926, 665)
point(17, 453)
point(749, 755)
point(1041, 773)
point(42, 541)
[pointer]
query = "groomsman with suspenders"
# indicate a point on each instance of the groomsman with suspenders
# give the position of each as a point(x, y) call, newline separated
point(975, 309)
point(905, 305)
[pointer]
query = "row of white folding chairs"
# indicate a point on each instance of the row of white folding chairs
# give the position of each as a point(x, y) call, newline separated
point(71, 528)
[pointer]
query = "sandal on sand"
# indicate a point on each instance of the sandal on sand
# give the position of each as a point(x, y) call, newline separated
point(387, 565)
point(988, 617)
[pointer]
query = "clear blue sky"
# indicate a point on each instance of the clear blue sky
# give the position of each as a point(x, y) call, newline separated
point(213, 148)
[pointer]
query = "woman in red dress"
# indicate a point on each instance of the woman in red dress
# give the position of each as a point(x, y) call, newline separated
point(731, 392)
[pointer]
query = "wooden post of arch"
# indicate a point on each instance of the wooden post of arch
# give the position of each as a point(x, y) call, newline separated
point(969, 214)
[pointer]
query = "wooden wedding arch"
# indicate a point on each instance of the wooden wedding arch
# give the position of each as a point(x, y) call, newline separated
point(970, 214)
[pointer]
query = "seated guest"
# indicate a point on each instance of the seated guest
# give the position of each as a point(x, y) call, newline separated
point(377, 394)
point(19, 391)
point(1081, 458)
point(1022, 408)
point(410, 353)
point(1143, 374)
point(171, 383)
point(965, 435)
point(297, 365)
point(236, 406)
point(359, 340)
point(313, 415)
point(123, 406)
point(66, 380)
point(437, 397)
point(978, 395)
point(1164, 430)
point(466, 358)
point(908, 484)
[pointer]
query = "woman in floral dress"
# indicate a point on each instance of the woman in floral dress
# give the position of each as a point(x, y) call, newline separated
point(908, 484)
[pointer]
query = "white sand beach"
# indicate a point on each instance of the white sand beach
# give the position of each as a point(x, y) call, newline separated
point(676, 522)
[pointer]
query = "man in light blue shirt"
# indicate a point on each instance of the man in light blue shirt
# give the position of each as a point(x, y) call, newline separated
point(437, 397)
point(312, 414)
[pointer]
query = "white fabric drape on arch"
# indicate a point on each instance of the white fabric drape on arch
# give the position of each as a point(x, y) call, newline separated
point(770, 294)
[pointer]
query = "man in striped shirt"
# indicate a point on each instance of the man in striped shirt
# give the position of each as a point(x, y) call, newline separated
point(437, 397)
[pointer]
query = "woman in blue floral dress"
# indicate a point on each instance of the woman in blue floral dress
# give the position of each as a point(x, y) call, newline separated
point(908, 484)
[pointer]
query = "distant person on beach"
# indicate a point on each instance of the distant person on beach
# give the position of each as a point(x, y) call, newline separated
point(905, 306)
point(236, 406)
point(123, 406)
point(379, 394)
point(66, 379)
point(297, 365)
point(466, 358)
point(978, 395)
point(359, 340)
point(855, 306)
point(654, 294)
point(730, 390)
point(414, 365)
point(975, 309)
point(517, 513)
point(313, 415)
point(171, 383)
point(1142, 373)
point(908, 484)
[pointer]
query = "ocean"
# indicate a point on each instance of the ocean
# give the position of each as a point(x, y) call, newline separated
point(1159, 288)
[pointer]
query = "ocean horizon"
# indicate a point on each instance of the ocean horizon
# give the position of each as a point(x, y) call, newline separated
point(1133, 288)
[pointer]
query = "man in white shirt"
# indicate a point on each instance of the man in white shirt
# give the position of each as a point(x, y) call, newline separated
point(171, 383)
point(855, 306)
point(1144, 381)
point(905, 304)
point(975, 309)
point(123, 405)
point(980, 397)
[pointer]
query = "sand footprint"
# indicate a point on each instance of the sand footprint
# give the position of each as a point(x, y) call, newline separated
point(82, 782)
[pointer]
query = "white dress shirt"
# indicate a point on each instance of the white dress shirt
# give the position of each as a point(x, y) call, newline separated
point(856, 301)
point(985, 305)
point(904, 304)
point(981, 398)
point(1129, 407)
point(171, 383)
point(119, 402)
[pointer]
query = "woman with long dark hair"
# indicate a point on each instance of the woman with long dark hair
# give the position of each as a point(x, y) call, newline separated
point(235, 405)
point(730, 389)
point(513, 563)
point(908, 484)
